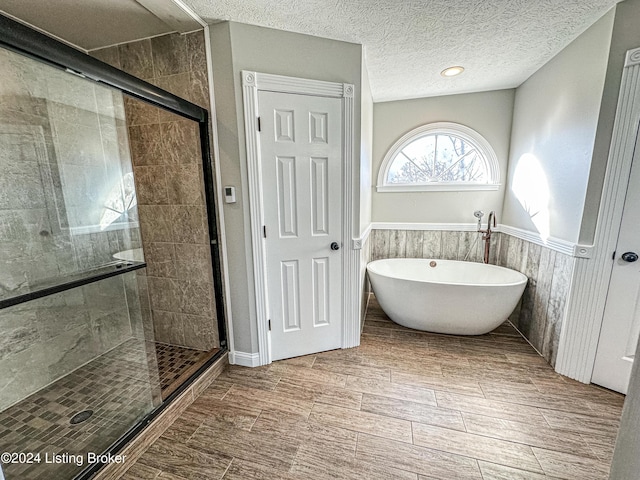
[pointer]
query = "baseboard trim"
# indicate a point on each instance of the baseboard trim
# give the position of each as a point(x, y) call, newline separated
point(244, 359)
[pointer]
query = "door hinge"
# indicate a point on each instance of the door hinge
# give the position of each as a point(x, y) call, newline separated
point(613, 257)
point(264, 231)
point(269, 324)
point(259, 125)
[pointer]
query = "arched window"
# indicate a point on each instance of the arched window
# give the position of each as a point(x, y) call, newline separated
point(439, 156)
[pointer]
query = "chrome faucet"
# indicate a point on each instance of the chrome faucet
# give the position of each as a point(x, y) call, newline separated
point(486, 234)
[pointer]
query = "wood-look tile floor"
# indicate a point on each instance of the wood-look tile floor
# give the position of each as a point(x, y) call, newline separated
point(405, 404)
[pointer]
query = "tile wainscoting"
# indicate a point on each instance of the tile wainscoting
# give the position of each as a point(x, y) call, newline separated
point(365, 256)
point(541, 311)
point(447, 245)
point(542, 308)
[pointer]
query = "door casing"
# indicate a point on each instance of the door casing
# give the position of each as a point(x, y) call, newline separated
point(618, 335)
point(252, 82)
point(592, 271)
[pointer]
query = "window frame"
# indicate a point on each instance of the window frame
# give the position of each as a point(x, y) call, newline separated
point(446, 128)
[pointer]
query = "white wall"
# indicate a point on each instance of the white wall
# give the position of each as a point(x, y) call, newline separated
point(489, 113)
point(236, 47)
point(554, 127)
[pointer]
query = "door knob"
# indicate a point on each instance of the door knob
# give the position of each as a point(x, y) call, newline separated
point(629, 257)
point(335, 246)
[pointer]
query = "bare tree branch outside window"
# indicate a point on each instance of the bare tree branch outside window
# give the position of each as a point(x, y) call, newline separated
point(438, 157)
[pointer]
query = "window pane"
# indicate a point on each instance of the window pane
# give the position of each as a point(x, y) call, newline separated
point(403, 170)
point(438, 157)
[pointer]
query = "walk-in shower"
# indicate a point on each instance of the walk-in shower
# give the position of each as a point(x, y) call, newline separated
point(109, 281)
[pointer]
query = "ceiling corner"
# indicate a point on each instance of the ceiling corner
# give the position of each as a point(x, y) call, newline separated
point(175, 14)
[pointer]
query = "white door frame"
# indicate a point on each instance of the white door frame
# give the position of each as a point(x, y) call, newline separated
point(252, 82)
point(590, 280)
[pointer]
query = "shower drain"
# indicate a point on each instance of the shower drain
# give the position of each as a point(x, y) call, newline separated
point(81, 417)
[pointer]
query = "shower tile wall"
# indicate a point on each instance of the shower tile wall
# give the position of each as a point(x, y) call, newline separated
point(539, 315)
point(45, 339)
point(56, 151)
point(169, 182)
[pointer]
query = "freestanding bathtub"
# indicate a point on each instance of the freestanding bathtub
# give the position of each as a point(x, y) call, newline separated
point(445, 296)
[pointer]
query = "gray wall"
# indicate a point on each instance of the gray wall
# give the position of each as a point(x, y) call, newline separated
point(365, 184)
point(552, 144)
point(366, 151)
point(626, 35)
point(237, 47)
point(489, 113)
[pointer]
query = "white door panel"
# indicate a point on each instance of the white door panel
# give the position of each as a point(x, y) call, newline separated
point(621, 323)
point(301, 168)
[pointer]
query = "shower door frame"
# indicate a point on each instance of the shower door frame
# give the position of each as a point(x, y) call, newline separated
point(21, 39)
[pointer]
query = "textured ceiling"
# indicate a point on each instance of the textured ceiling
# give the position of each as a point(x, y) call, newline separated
point(409, 42)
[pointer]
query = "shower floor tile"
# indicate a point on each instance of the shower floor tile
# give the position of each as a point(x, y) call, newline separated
point(404, 404)
point(119, 387)
point(176, 364)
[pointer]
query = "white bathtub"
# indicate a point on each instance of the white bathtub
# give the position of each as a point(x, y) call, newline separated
point(459, 298)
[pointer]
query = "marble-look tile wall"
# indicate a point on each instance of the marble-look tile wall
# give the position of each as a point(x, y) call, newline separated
point(63, 145)
point(45, 339)
point(167, 168)
point(541, 311)
point(448, 245)
point(365, 256)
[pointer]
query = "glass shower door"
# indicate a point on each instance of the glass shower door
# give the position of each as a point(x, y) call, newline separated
point(77, 359)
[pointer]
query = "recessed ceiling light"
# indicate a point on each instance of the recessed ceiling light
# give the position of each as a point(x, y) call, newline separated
point(452, 71)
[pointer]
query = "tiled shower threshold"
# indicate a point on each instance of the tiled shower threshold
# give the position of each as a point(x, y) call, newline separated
point(116, 391)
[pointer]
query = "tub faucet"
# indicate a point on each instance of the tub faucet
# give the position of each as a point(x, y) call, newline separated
point(492, 217)
point(486, 235)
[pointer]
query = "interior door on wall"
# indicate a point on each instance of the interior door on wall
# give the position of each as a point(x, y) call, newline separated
point(301, 167)
point(621, 323)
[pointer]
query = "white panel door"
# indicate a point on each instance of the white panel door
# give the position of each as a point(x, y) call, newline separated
point(621, 323)
point(301, 167)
